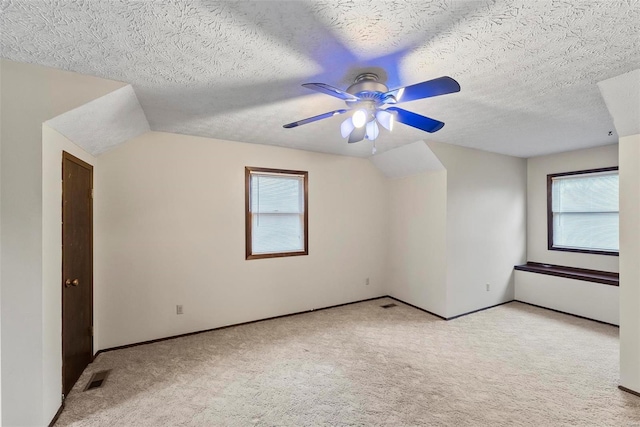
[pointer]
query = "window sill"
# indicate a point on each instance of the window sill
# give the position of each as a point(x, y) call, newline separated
point(583, 251)
point(596, 276)
point(276, 255)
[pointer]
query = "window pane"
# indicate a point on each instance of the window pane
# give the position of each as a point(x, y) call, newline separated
point(273, 233)
point(586, 230)
point(276, 212)
point(271, 194)
point(586, 193)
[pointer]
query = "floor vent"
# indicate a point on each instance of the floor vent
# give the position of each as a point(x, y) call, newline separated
point(97, 380)
point(388, 305)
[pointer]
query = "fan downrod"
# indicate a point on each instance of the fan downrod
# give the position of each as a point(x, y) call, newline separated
point(366, 76)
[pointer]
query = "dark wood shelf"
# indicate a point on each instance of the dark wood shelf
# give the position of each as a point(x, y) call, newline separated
point(597, 276)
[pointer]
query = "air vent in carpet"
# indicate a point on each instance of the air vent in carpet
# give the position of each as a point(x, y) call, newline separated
point(97, 379)
point(388, 305)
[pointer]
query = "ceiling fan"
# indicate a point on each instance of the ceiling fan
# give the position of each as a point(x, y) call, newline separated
point(370, 102)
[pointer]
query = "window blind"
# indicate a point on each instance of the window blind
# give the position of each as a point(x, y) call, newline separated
point(277, 213)
point(585, 211)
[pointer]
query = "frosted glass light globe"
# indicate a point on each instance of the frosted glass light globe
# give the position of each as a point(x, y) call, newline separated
point(372, 130)
point(359, 118)
point(386, 119)
point(346, 127)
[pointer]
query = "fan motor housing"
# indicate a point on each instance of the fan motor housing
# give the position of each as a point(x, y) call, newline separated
point(367, 87)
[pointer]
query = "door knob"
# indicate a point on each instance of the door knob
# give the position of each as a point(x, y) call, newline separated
point(69, 282)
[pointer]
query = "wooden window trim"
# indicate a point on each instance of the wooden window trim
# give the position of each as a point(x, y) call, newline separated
point(247, 212)
point(550, 212)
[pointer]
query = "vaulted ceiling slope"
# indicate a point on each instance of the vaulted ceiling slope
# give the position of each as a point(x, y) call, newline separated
point(103, 123)
point(232, 70)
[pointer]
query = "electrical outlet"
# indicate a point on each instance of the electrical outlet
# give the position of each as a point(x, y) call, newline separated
point(366, 281)
point(179, 309)
point(488, 287)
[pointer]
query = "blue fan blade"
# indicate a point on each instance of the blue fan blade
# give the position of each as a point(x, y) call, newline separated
point(314, 118)
point(416, 120)
point(330, 90)
point(357, 134)
point(435, 87)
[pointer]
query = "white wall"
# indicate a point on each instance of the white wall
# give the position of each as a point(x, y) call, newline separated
point(0, 246)
point(486, 225)
point(622, 96)
point(169, 212)
point(630, 262)
point(586, 299)
point(30, 95)
point(592, 300)
point(537, 170)
point(418, 241)
point(53, 144)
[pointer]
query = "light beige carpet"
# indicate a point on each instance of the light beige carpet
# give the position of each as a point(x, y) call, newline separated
point(362, 365)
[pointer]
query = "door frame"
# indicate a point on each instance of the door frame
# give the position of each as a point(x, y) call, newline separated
point(72, 158)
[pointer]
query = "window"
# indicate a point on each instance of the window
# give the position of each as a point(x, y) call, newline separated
point(582, 211)
point(276, 213)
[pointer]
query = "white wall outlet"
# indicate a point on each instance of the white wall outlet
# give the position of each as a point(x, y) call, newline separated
point(179, 309)
point(488, 287)
point(366, 281)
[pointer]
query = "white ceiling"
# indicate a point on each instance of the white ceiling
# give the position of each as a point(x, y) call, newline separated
point(104, 122)
point(410, 159)
point(622, 96)
point(232, 70)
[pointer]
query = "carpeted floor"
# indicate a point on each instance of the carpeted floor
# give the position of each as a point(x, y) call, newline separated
point(362, 365)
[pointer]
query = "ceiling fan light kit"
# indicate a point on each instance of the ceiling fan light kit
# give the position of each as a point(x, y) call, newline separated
point(360, 118)
point(372, 103)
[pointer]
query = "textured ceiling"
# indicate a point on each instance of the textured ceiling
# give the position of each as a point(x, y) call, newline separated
point(232, 70)
point(104, 122)
point(410, 159)
point(622, 96)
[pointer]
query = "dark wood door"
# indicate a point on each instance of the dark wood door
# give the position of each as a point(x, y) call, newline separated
point(77, 269)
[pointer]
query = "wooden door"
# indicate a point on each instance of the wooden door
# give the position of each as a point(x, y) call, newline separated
point(77, 269)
